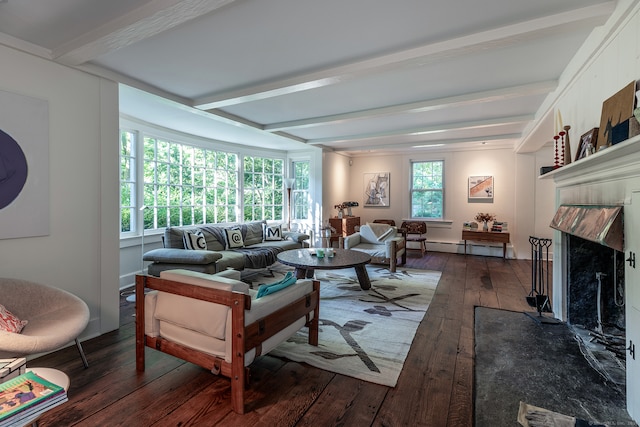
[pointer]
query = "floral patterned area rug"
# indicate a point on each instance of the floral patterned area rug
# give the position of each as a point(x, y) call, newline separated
point(365, 334)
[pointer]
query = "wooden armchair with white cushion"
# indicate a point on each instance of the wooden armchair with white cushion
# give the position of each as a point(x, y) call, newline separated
point(383, 242)
point(218, 322)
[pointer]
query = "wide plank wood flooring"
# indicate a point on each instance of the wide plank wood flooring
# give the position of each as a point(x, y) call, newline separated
point(435, 388)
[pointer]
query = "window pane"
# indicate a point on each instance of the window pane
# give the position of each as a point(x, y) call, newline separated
point(162, 218)
point(125, 220)
point(125, 195)
point(186, 176)
point(174, 153)
point(198, 215)
point(126, 143)
point(174, 217)
point(162, 151)
point(148, 215)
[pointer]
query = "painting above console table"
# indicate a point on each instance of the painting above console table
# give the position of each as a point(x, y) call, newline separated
point(480, 189)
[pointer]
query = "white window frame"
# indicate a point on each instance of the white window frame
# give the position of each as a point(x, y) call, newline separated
point(414, 190)
point(300, 194)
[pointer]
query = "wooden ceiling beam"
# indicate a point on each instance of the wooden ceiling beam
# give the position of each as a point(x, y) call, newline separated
point(491, 39)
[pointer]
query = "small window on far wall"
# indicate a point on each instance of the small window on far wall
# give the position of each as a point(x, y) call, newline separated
point(427, 189)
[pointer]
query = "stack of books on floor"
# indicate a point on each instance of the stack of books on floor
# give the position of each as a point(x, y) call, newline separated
point(499, 226)
point(24, 398)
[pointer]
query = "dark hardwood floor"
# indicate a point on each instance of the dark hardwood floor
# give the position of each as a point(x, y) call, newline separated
point(435, 388)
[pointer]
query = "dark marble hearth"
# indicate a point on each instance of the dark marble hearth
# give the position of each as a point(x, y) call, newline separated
point(518, 359)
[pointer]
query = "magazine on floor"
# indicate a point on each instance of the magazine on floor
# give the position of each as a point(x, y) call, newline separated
point(27, 396)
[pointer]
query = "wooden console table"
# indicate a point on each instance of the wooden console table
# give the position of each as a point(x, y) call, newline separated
point(486, 236)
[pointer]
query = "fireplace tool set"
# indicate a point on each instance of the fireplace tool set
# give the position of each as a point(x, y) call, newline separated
point(539, 295)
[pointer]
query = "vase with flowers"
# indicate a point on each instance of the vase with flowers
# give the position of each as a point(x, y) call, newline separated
point(485, 218)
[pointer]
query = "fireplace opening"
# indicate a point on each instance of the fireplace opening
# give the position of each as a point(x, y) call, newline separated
point(595, 304)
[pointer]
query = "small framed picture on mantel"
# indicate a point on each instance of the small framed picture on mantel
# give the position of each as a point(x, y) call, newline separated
point(587, 143)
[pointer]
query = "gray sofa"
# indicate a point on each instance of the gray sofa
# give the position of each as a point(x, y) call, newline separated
point(255, 252)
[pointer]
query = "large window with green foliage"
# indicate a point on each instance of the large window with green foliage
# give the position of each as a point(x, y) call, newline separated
point(427, 189)
point(300, 194)
point(127, 181)
point(186, 185)
point(167, 183)
point(263, 188)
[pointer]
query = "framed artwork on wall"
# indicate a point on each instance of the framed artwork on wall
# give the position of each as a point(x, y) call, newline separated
point(24, 166)
point(376, 189)
point(615, 110)
point(480, 189)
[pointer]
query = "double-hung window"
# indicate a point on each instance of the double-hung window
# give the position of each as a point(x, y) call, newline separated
point(427, 189)
point(300, 195)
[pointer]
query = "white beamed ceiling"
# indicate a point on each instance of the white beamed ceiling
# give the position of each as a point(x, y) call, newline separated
point(355, 76)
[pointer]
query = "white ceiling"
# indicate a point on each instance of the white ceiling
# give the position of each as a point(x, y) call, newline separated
point(352, 76)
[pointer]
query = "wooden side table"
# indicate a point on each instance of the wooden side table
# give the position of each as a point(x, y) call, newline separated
point(345, 226)
point(486, 236)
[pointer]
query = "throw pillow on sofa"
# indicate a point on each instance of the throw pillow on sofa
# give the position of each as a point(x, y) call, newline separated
point(234, 238)
point(9, 322)
point(272, 232)
point(194, 241)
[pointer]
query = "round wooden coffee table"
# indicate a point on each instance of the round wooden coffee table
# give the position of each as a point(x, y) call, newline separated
point(305, 261)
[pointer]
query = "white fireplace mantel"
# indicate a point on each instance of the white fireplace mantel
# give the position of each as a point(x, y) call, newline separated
point(607, 177)
point(614, 162)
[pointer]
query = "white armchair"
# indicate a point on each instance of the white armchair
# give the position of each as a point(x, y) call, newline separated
point(218, 322)
point(383, 242)
point(55, 318)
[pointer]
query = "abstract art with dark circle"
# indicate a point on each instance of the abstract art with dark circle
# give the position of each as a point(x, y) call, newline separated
point(13, 169)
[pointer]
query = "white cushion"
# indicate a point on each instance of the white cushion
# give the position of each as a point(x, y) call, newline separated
point(377, 234)
point(272, 232)
point(194, 241)
point(201, 316)
point(216, 281)
point(234, 238)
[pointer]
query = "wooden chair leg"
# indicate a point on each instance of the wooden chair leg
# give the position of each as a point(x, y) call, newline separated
point(237, 389)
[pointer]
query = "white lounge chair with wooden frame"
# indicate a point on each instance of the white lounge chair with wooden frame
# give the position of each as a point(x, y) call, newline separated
point(217, 323)
point(385, 244)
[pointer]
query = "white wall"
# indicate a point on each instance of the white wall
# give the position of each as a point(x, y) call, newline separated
point(516, 191)
point(336, 175)
point(592, 78)
point(80, 254)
